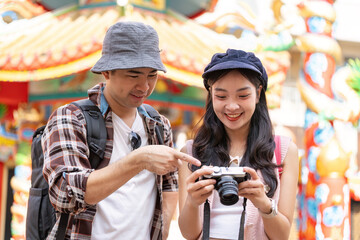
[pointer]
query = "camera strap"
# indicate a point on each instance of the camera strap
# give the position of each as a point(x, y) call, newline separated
point(242, 221)
point(206, 224)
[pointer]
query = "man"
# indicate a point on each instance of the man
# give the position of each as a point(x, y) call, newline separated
point(133, 192)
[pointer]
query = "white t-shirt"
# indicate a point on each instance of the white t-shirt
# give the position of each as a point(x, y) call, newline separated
point(127, 213)
point(225, 220)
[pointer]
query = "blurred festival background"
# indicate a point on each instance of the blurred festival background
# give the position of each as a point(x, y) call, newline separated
point(310, 48)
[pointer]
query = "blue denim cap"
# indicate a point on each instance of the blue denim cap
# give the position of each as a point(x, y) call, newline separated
point(129, 45)
point(234, 59)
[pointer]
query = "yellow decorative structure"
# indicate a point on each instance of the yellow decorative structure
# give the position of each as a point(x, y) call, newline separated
point(68, 41)
point(324, 194)
point(331, 154)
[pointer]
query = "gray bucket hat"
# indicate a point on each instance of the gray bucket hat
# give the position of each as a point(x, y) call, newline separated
point(129, 45)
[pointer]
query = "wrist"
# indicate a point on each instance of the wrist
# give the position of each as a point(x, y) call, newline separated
point(191, 204)
point(137, 160)
point(266, 206)
point(271, 211)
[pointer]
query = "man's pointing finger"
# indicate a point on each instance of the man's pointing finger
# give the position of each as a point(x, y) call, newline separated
point(187, 158)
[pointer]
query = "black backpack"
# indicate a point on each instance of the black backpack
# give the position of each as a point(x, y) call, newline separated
point(41, 215)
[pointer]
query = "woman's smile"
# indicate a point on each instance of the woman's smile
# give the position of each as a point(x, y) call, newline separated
point(233, 117)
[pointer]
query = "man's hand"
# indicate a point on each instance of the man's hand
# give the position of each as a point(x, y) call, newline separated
point(162, 159)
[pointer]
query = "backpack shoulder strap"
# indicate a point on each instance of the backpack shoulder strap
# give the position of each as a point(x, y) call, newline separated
point(282, 145)
point(96, 130)
point(61, 232)
point(96, 139)
point(159, 129)
point(153, 113)
point(277, 149)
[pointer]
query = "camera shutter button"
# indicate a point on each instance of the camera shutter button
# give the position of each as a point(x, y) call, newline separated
point(216, 169)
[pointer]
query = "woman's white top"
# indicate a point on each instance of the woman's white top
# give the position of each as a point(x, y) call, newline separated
point(127, 213)
point(225, 220)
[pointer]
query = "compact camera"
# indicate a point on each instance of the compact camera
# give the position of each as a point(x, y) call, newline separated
point(227, 181)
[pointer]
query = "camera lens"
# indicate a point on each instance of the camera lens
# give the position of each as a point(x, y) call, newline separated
point(228, 190)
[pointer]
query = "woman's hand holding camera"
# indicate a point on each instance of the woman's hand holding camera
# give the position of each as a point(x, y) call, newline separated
point(254, 190)
point(199, 191)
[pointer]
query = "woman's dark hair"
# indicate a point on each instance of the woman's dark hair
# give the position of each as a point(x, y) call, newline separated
point(211, 143)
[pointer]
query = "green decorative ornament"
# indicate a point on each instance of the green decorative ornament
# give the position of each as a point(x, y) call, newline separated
point(3, 110)
point(354, 79)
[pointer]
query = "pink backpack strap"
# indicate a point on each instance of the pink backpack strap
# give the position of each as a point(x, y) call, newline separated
point(282, 145)
point(278, 149)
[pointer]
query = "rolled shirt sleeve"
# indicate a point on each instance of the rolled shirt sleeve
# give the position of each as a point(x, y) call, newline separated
point(66, 164)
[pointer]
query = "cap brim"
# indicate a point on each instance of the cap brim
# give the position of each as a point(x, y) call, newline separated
point(231, 65)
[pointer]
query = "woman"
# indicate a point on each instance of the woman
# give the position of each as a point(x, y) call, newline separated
point(236, 131)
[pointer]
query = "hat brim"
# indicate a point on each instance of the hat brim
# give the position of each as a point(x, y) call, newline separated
point(108, 63)
point(230, 65)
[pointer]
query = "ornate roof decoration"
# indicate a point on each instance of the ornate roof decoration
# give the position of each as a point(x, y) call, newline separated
point(64, 42)
point(19, 10)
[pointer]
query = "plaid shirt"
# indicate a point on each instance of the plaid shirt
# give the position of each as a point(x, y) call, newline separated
point(67, 167)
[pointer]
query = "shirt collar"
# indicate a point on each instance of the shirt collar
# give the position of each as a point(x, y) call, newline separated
point(104, 105)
